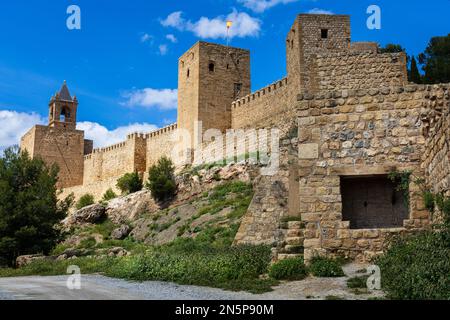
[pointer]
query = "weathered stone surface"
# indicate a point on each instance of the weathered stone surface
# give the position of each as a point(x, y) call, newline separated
point(23, 261)
point(90, 214)
point(309, 151)
point(120, 233)
point(131, 207)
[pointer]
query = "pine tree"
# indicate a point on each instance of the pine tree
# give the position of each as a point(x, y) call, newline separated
point(413, 72)
point(29, 207)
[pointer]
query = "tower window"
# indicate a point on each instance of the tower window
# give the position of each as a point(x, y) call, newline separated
point(211, 67)
point(65, 114)
point(237, 90)
point(324, 33)
point(188, 73)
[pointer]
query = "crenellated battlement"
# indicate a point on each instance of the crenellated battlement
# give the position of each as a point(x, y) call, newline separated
point(260, 93)
point(167, 129)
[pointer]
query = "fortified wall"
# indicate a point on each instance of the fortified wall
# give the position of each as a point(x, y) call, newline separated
point(346, 116)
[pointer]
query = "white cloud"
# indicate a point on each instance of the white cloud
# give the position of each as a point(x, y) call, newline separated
point(14, 125)
point(172, 38)
point(174, 20)
point(262, 5)
point(103, 137)
point(243, 25)
point(163, 49)
point(146, 38)
point(319, 11)
point(165, 99)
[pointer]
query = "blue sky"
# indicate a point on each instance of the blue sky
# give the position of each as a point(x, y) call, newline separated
point(122, 64)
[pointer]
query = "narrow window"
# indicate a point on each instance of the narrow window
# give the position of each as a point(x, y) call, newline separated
point(188, 73)
point(211, 67)
point(324, 33)
point(237, 90)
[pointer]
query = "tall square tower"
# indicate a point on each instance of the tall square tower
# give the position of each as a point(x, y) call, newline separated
point(210, 78)
point(313, 34)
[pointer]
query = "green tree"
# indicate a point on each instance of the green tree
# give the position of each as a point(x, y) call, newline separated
point(161, 180)
point(29, 207)
point(130, 183)
point(413, 72)
point(392, 48)
point(436, 60)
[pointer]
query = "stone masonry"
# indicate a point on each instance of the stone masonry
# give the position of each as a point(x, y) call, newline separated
point(345, 111)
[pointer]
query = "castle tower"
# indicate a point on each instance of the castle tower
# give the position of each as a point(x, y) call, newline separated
point(310, 35)
point(63, 109)
point(210, 78)
point(60, 143)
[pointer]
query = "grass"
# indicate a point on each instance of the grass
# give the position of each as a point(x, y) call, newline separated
point(235, 195)
point(191, 264)
point(53, 268)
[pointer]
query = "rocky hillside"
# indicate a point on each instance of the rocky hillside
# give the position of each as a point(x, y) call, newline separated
point(211, 202)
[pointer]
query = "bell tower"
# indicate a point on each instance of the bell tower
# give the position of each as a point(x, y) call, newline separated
point(63, 109)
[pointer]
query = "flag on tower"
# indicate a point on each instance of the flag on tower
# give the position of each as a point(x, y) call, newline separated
point(229, 24)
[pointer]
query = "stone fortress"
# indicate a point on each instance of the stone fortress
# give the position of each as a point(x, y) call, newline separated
point(348, 117)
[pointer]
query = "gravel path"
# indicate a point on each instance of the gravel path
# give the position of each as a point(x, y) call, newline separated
point(96, 287)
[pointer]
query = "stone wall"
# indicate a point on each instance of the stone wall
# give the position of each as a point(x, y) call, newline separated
point(260, 105)
point(436, 158)
point(159, 143)
point(345, 70)
point(105, 163)
point(358, 133)
point(60, 146)
point(96, 188)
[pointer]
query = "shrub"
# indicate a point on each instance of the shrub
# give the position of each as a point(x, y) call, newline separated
point(130, 183)
point(232, 268)
point(29, 207)
point(84, 201)
point(161, 180)
point(417, 267)
point(109, 195)
point(325, 268)
point(289, 269)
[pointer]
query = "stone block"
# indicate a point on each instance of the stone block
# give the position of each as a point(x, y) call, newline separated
point(308, 151)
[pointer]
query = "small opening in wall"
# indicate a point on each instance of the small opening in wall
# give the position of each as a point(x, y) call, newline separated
point(211, 67)
point(65, 114)
point(324, 33)
point(228, 66)
point(188, 73)
point(237, 90)
point(237, 62)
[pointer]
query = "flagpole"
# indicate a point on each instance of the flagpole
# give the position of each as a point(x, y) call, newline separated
point(229, 24)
